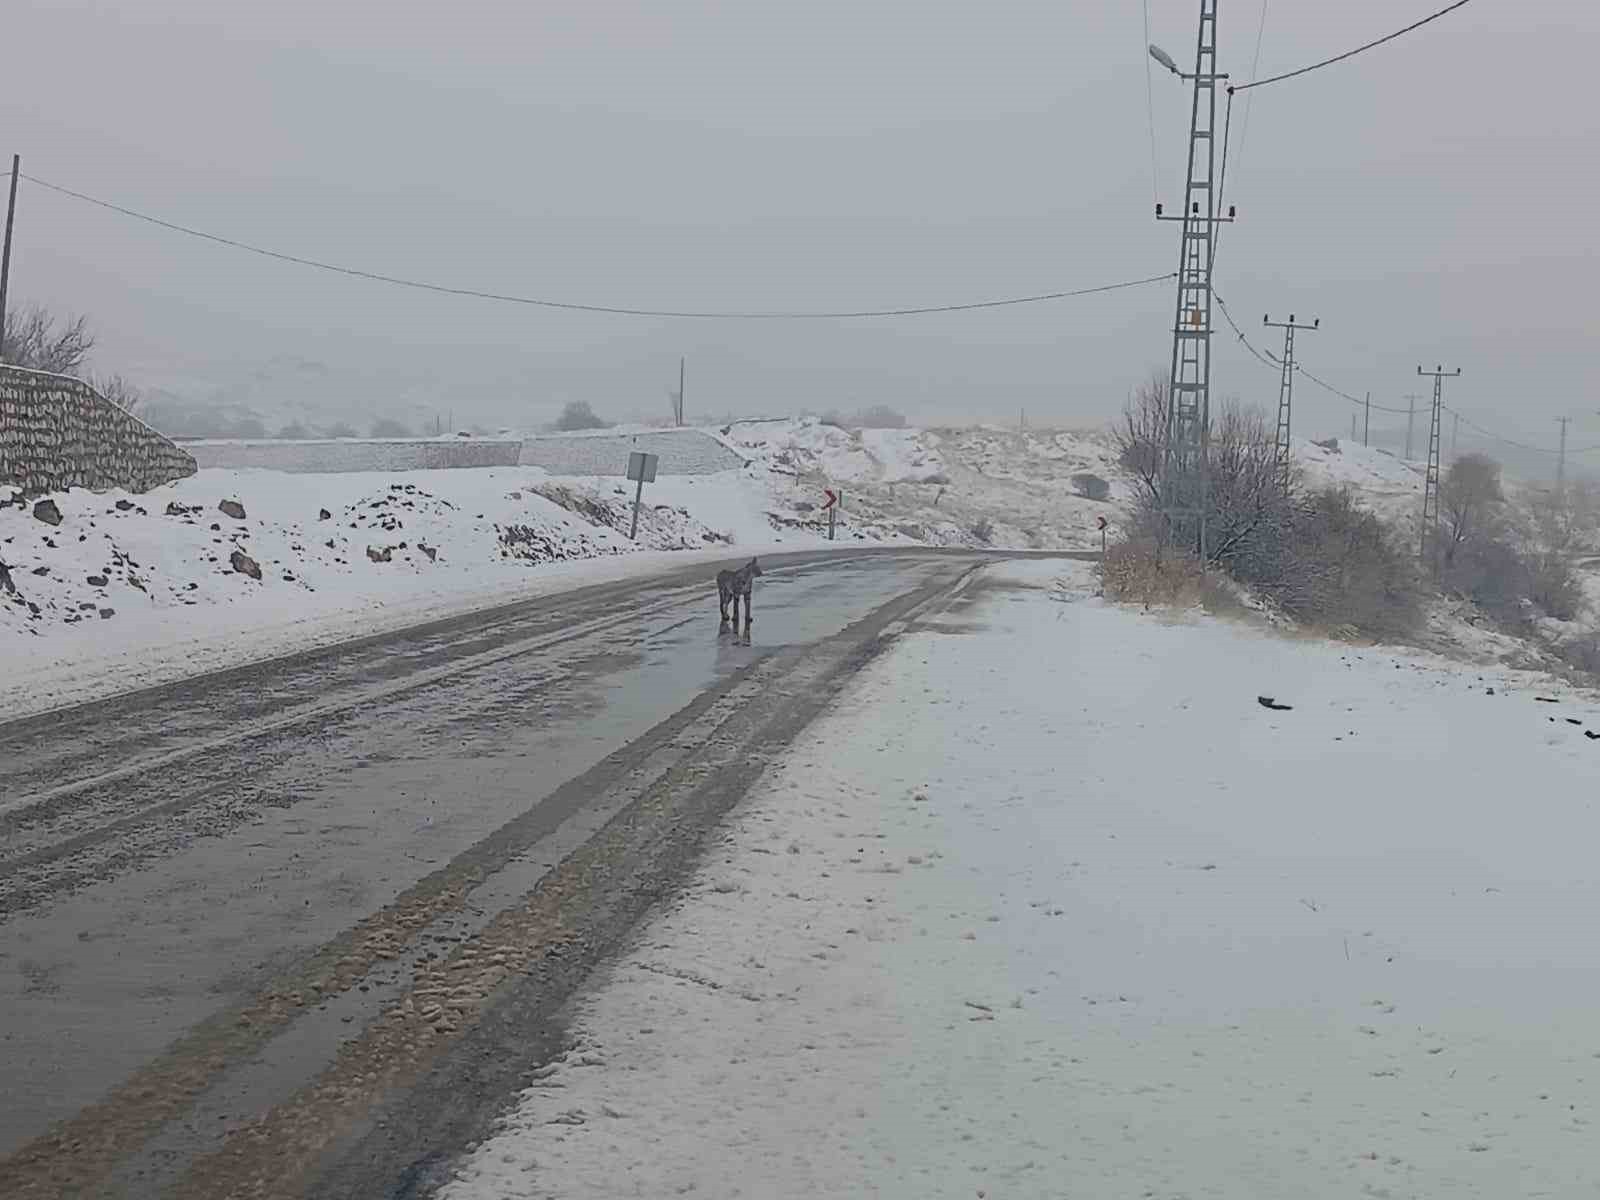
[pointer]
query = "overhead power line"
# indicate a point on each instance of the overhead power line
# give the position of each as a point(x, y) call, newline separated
point(613, 310)
point(1328, 62)
point(1150, 109)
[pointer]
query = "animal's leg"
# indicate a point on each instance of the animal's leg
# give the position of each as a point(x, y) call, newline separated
point(749, 619)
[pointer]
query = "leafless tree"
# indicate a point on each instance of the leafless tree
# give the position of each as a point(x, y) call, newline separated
point(578, 415)
point(34, 339)
point(1469, 499)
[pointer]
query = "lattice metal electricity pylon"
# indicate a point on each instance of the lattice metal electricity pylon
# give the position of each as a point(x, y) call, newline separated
point(1283, 453)
point(1185, 447)
point(1430, 484)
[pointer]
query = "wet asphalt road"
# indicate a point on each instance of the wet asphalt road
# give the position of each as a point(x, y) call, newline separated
point(243, 915)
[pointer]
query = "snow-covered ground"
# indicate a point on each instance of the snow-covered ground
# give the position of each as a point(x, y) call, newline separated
point(133, 590)
point(1387, 485)
point(980, 486)
point(1050, 905)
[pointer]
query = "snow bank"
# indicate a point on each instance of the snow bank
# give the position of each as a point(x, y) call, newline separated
point(1049, 905)
point(130, 590)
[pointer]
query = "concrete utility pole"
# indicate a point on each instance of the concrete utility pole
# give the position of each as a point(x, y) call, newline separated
point(5, 254)
point(1185, 458)
point(1430, 484)
point(1283, 453)
point(1561, 460)
point(681, 362)
point(1366, 422)
point(1411, 399)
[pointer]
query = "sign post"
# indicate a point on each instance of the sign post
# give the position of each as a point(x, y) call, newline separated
point(1101, 521)
point(641, 467)
point(831, 507)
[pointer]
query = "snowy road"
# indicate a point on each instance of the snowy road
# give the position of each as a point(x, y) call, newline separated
point(309, 888)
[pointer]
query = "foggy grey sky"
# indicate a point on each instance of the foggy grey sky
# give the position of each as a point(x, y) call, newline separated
point(1431, 200)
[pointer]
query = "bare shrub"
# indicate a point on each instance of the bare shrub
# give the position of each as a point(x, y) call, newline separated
point(1340, 569)
point(294, 431)
point(983, 530)
point(340, 429)
point(1243, 501)
point(1090, 487)
point(1142, 432)
point(1141, 570)
point(1557, 589)
point(388, 427)
point(1582, 652)
point(118, 391)
point(578, 415)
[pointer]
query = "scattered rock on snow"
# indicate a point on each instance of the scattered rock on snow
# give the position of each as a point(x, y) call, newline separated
point(245, 565)
point(98, 581)
point(47, 511)
point(107, 613)
point(124, 505)
point(378, 556)
point(232, 508)
point(1269, 702)
point(323, 514)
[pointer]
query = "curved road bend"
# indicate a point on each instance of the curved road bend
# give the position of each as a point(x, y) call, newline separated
point(301, 928)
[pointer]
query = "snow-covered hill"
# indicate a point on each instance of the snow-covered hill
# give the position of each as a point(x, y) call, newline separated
point(951, 487)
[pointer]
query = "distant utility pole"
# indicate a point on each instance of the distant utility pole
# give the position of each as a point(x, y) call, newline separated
point(681, 361)
point(1366, 422)
point(1352, 427)
point(5, 254)
point(1283, 452)
point(1561, 461)
point(1430, 484)
point(1186, 445)
point(1411, 399)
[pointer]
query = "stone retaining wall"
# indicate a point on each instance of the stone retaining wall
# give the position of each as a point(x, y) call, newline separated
point(682, 452)
point(357, 454)
point(57, 433)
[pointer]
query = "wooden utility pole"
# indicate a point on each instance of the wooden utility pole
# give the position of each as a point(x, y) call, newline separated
point(1366, 426)
point(5, 254)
